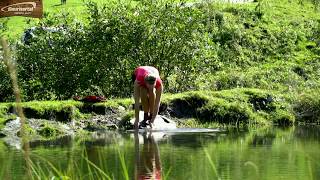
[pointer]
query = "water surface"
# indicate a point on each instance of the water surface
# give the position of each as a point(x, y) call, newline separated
point(272, 153)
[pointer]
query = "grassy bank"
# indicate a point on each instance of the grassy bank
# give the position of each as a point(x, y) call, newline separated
point(236, 107)
point(17, 25)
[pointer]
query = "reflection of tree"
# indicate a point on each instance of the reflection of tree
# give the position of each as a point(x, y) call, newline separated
point(147, 161)
point(266, 139)
point(307, 133)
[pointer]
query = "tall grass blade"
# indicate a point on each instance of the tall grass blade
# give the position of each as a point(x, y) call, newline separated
point(211, 163)
point(123, 164)
point(167, 174)
point(14, 79)
point(55, 170)
point(97, 168)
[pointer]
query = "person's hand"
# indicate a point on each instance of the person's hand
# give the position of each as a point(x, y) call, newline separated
point(151, 125)
point(152, 119)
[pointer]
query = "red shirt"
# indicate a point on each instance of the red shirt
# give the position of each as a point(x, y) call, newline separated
point(142, 71)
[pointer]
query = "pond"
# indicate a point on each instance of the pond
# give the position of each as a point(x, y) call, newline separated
point(270, 153)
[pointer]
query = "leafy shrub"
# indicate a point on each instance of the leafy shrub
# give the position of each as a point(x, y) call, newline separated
point(3, 25)
point(307, 108)
point(105, 52)
point(6, 92)
point(197, 47)
point(49, 130)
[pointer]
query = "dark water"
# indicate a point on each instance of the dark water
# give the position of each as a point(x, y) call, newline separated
point(272, 153)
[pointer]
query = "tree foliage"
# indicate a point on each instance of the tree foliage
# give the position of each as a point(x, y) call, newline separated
point(188, 43)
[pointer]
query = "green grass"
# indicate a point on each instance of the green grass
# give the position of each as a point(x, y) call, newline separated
point(16, 25)
point(273, 10)
point(195, 123)
point(76, 8)
point(42, 106)
point(239, 106)
point(80, 166)
point(49, 130)
point(4, 107)
point(115, 103)
point(45, 109)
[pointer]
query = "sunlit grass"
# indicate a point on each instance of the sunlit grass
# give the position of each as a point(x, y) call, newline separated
point(213, 167)
point(123, 164)
point(80, 166)
point(46, 169)
point(208, 106)
point(194, 123)
point(3, 113)
point(16, 25)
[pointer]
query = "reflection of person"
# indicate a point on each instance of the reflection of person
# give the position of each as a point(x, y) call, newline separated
point(147, 162)
point(148, 87)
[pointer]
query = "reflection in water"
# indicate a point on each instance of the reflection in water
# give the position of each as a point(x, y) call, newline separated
point(308, 133)
point(147, 160)
point(262, 139)
point(262, 153)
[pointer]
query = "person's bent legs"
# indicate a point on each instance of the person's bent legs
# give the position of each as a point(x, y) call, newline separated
point(145, 105)
point(152, 99)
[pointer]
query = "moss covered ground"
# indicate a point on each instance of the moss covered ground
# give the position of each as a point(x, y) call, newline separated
point(235, 107)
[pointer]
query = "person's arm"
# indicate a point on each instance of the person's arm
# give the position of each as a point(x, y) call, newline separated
point(136, 93)
point(157, 103)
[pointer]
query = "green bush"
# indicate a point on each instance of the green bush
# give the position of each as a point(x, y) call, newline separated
point(206, 46)
point(307, 108)
point(236, 106)
point(49, 131)
point(105, 52)
point(3, 25)
point(6, 92)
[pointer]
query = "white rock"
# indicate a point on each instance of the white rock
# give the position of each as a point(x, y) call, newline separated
point(160, 123)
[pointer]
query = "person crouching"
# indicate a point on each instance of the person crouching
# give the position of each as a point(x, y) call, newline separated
point(147, 87)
